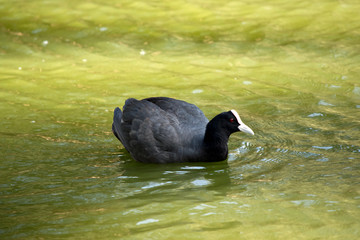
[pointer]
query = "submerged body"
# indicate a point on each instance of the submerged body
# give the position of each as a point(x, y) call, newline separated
point(166, 130)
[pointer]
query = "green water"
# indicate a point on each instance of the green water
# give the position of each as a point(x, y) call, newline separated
point(290, 68)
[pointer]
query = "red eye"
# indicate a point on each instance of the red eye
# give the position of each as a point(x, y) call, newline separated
point(232, 120)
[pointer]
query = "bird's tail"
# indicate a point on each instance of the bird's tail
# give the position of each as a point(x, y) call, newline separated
point(116, 122)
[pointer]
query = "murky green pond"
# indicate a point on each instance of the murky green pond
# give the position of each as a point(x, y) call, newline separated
point(290, 68)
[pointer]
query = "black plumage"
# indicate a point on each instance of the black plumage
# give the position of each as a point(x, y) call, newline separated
point(166, 130)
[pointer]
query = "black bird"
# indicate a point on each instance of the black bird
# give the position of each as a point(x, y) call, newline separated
point(166, 130)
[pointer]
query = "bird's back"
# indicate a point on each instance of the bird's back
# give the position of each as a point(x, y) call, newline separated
point(160, 129)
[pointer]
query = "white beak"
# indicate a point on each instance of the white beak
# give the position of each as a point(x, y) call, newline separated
point(242, 127)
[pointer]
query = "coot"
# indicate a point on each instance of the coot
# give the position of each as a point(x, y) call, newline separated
point(166, 130)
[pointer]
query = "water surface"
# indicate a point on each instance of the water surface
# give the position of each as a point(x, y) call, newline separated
point(290, 68)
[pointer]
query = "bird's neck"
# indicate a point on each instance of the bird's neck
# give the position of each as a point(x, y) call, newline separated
point(215, 141)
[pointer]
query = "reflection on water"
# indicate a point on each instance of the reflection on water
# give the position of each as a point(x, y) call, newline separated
point(290, 70)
